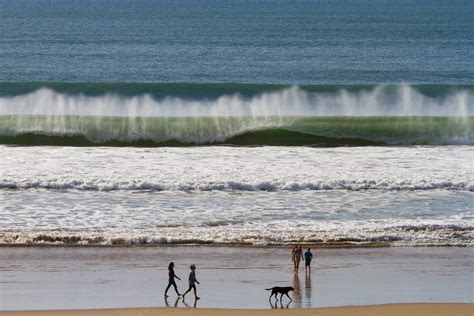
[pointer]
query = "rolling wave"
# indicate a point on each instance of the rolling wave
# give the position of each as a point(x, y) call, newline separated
point(246, 131)
point(234, 114)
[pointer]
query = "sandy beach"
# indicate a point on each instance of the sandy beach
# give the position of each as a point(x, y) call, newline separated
point(70, 278)
point(380, 310)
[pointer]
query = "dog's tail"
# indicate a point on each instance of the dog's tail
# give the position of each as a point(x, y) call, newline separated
point(269, 289)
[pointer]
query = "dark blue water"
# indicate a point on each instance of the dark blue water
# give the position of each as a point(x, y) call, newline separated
point(291, 42)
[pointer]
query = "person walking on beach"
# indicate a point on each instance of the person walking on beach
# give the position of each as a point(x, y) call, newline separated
point(308, 256)
point(171, 281)
point(192, 282)
point(298, 258)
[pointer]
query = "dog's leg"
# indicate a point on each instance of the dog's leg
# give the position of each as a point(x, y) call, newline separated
point(288, 296)
point(281, 297)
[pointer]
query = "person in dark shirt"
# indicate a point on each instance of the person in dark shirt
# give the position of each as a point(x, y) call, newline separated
point(308, 256)
point(171, 281)
point(192, 281)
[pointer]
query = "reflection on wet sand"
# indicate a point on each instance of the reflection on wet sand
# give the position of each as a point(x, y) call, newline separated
point(297, 291)
point(298, 301)
point(187, 305)
point(167, 303)
point(279, 304)
point(307, 290)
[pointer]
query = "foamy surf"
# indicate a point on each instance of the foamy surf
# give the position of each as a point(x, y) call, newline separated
point(353, 185)
point(365, 234)
point(407, 196)
point(237, 169)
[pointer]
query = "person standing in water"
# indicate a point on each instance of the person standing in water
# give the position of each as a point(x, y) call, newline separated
point(298, 258)
point(308, 256)
point(192, 281)
point(293, 255)
point(171, 281)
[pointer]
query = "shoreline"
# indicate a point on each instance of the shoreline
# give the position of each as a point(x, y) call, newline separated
point(69, 278)
point(418, 309)
point(316, 245)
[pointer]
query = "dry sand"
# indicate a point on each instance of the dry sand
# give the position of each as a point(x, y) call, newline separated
point(379, 310)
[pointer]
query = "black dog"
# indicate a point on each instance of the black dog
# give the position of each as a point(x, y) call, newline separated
point(280, 290)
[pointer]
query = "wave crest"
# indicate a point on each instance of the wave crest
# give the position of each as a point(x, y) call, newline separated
point(382, 100)
point(382, 115)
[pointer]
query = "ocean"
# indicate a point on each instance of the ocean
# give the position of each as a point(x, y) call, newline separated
point(236, 122)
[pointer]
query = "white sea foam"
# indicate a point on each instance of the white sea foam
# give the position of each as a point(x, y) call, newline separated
point(411, 234)
point(239, 169)
point(98, 195)
point(101, 185)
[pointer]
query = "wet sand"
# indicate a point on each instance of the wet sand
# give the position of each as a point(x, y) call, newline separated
point(377, 310)
point(66, 278)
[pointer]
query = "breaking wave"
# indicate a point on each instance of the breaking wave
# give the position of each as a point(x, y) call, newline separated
point(411, 235)
point(198, 114)
point(356, 185)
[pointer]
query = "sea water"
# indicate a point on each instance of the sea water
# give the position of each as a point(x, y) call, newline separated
point(264, 195)
point(292, 42)
point(256, 122)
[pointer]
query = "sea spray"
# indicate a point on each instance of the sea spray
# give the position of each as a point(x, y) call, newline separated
point(382, 100)
point(391, 115)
